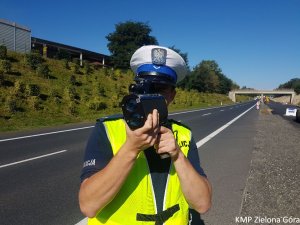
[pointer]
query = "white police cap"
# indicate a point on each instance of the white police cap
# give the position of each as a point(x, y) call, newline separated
point(157, 60)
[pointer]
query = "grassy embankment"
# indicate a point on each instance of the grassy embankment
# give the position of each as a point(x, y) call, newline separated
point(68, 94)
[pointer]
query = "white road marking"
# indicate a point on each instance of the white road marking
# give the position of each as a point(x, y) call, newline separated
point(81, 128)
point(43, 134)
point(206, 114)
point(30, 159)
point(83, 222)
point(221, 110)
point(196, 110)
point(210, 136)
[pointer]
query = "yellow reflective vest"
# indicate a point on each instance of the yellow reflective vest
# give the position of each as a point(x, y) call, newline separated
point(135, 202)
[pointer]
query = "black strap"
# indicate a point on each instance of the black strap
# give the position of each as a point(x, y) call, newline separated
point(159, 218)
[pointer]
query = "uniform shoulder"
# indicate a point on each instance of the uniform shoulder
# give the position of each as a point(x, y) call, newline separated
point(110, 118)
point(179, 123)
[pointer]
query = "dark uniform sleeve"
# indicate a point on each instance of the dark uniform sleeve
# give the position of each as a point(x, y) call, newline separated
point(98, 152)
point(193, 157)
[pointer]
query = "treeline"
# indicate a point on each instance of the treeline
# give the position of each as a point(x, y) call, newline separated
point(128, 36)
point(207, 77)
point(291, 84)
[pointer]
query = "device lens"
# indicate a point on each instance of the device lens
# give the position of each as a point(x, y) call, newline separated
point(136, 120)
point(131, 105)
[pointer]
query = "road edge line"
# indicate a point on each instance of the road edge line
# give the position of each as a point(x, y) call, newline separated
point(83, 222)
point(43, 134)
point(210, 136)
point(30, 159)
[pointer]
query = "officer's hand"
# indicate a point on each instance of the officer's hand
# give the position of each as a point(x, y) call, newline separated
point(144, 137)
point(166, 143)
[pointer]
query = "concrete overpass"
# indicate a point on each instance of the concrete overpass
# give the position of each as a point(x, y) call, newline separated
point(233, 93)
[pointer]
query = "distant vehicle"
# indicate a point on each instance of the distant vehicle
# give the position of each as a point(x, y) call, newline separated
point(298, 115)
point(266, 99)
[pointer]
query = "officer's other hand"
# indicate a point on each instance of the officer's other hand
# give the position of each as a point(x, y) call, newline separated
point(166, 143)
point(144, 137)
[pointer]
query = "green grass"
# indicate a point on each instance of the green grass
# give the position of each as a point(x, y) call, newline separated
point(61, 99)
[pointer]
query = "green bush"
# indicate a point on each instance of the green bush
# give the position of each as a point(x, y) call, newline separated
point(5, 65)
point(108, 72)
point(95, 105)
point(2, 79)
point(32, 90)
point(54, 92)
point(102, 105)
point(70, 93)
point(73, 80)
point(76, 68)
point(43, 70)
point(55, 96)
point(34, 103)
point(115, 101)
point(71, 109)
point(76, 61)
point(87, 68)
point(92, 105)
point(33, 59)
point(66, 63)
point(3, 52)
point(19, 88)
point(11, 104)
point(101, 90)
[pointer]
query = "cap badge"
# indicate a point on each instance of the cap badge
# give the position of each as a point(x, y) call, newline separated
point(159, 56)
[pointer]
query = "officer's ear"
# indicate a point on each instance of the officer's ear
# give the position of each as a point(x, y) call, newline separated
point(173, 94)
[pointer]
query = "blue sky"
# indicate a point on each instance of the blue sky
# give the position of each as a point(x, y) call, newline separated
point(255, 42)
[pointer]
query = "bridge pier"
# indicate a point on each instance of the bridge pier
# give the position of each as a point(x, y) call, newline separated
point(231, 96)
point(292, 98)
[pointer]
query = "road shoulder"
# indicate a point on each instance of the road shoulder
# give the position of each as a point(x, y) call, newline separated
point(272, 190)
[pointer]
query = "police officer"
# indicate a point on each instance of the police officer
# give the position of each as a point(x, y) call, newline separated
point(124, 179)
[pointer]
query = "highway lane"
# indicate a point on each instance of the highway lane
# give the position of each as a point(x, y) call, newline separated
point(44, 190)
point(205, 122)
point(15, 150)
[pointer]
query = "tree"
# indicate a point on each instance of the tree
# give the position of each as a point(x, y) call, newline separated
point(207, 76)
point(292, 84)
point(127, 38)
point(183, 55)
point(297, 88)
point(234, 86)
point(226, 84)
point(212, 82)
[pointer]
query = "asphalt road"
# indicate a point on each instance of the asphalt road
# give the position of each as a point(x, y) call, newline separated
point(280, 109)
point(40, 174)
